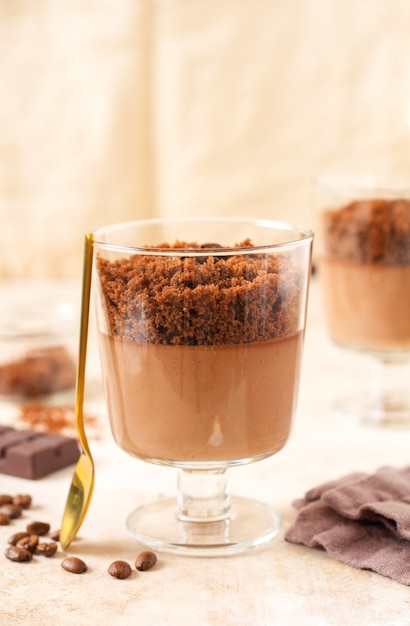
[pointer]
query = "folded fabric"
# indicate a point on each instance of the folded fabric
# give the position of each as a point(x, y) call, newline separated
point(360, 519)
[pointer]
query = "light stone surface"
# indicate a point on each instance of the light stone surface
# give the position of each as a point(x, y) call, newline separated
point(279, 585)
point(124, 109)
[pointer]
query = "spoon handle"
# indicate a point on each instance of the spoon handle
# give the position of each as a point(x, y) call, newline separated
point(82, 352)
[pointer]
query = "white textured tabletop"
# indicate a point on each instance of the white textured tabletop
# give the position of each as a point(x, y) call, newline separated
point(280, 585)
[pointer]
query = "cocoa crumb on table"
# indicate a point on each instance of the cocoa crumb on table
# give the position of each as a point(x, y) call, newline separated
point(211, 300)
point(369, 231)
point(52, 418)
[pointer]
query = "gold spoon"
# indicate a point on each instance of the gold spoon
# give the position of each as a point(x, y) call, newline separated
point(82, 483)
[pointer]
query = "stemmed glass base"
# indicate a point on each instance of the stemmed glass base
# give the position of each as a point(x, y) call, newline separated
point(386, 402)
point(204, 520)
point(383, 412)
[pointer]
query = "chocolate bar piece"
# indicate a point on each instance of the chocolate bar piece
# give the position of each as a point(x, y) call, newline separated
point(31, 454)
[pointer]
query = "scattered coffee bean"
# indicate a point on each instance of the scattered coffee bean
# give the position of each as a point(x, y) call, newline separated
point(14, 553)
point(23, 501)
point(210, 246)
point(23, 545)
point(74, 565)
point(12, 510)
point(145, 560)
point(55, 535)
point(119, 569)
point(5, 499)
point(46, 548)
point(28, 543)
point(14, 539)
point(38, 528)
point(4, 519)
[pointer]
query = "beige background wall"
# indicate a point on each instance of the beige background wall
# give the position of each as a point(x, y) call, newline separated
point(121, 109)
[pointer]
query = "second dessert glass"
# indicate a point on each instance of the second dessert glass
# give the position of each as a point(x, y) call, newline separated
point(364, 266)
point(201, 325)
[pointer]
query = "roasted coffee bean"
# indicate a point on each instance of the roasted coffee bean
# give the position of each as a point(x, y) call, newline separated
point(4, 519)
point(46, 548)
point(14, 539)
point(38, 528)
point(12, 510)
point(145, 560)
point(210, 247)
point(14, 553)
point(119, 569)
point(55, 535)
point(23, 501)
point(74, 565)
point(5, 499)
point(28, 543)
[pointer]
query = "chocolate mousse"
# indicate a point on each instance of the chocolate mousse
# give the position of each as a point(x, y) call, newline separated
point(201, 354)
point(366, 274)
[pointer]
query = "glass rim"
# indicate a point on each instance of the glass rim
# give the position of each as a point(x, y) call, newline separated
point(305, 235)
point(363, 183)
point(39, 320)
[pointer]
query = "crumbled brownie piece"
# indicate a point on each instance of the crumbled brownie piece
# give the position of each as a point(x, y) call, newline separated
point(38, 372)
point(369, 231)
point(211, 300)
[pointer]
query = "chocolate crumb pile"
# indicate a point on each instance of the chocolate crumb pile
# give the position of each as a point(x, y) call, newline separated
point(207, 300)
point(39, 372)
point(369, 231)
point(50, 418)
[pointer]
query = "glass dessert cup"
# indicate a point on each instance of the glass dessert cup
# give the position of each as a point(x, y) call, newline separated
point(37, 345)
point(364, 267)
point(200, 346)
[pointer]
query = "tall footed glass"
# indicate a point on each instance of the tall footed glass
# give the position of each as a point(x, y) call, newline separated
point(200, 325)
point(364, 267)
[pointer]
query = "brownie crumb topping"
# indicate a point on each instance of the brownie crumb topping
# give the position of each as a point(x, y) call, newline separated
point(206, 300)
point(369, 231)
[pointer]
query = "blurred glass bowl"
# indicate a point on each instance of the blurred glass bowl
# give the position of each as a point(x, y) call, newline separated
point(38, 343)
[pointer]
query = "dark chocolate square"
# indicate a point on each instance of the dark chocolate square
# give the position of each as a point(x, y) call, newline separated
point(33, 455)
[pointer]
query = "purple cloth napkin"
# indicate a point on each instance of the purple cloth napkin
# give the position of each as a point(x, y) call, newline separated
point(360, 519)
